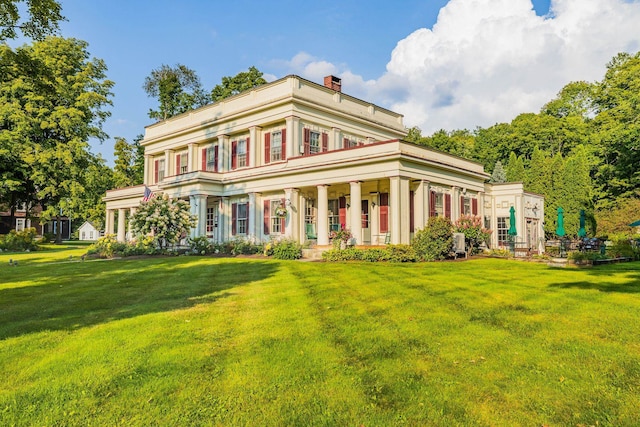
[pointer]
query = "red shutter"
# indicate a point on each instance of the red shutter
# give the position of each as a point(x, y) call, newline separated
point(342, 211)
point(155, 171)
point(432, 204)
point(384, 212)
point(325, 142)
point(178, 164)
point(266, 216)
point(307, 146)
point(215, 158)
point(234, 154)
point(248, 152)
point(282, 220)
point(411, 210)
point(364, 213)
point(267, 148)
point(345, 143)
point(284, 144)
point(234, 217)
point(447, 206)
point(474, 206)
point(204, 159)
point(461, 205)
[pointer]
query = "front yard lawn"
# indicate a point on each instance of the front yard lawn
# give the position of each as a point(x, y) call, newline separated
point(237, 341)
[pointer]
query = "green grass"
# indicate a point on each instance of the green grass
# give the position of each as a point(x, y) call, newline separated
point(238, 341)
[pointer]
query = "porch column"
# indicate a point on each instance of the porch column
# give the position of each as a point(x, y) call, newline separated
point(421, 206)
point(121, 224)
point(292, 223)
point(323, 215)
point(356, 210)
point(196, 205)
point(455, 203)
point(224, 158)
point(224, 219)
point(254, 214)
point(132, 212)
point(110, 221)
point(399, 206)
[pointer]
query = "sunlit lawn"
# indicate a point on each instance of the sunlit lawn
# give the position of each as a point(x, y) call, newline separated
point(257, 342)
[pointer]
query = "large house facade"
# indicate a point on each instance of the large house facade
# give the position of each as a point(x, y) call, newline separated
point(296, 159)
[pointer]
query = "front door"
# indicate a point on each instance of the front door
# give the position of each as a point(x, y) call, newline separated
point(366, 223)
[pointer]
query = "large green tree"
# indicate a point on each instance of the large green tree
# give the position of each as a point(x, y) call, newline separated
point(178, 90)
point(43, 17)
point(129, 162)
point(55, 96)
point(239, 83)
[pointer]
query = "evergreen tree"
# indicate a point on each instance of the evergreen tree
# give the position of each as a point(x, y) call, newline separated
point(515, 169)
point(498, 175)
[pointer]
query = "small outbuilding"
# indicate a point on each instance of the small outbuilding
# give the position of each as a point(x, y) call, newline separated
point(88, 231)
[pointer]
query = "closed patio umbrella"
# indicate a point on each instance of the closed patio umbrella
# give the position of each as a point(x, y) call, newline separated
point(582, 232)
point(512, 222)
point(560, 228)
point(635, 224)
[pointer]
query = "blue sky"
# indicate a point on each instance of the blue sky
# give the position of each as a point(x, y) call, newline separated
point(443, 64)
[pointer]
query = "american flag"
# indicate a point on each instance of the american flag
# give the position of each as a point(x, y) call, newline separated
point(147, 194)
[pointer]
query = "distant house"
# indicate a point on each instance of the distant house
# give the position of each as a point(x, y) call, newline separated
point(88, 231)
point(26, 218)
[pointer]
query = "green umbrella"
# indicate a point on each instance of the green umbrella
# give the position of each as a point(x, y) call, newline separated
point(635, 224)
point(560, 229)
point(512, 222)
point(582, 232)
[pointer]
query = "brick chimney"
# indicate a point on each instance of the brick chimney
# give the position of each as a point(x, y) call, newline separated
point(333, 83)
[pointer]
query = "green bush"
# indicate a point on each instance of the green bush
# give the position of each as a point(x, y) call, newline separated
point(348, 254)
point(286, 249)
point(107, 247)
point(434, 241)
point(401, 253)
point(200, 245)
point(624, 248)
point(391, 253)
point(24, 240)
point(501, 253)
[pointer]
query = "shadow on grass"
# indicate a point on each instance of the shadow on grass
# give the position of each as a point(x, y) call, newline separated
point(631, 287)
point(629, 272)
point(72, 296)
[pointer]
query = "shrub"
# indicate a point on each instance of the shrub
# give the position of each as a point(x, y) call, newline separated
point(501, 253)
point(200, 245)
point(24, 240)
point(391, 253)
point(107, 247)
point(287, 249)
point(624, 248)
point(401, 253)
point(434, 241)
point(348, 254)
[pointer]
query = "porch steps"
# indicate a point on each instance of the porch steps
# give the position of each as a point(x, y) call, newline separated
point(314, 253)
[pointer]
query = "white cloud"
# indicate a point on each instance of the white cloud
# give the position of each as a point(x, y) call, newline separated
point(486, 61)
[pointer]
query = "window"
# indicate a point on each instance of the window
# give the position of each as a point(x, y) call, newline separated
point(242, 153)
point(210, 159)
point(159, 170)
point(276, 222)
point(19, 224)
point(239, 218)
point(276, 146)
point(212, 220)
point(314, 142)
point(465, 205)
point(310, 211)
point(440, 204)
point(90, 235)
point(503, 228)
point(350, 142)
point(182, 163)
point(487, 222)
point(334, 215)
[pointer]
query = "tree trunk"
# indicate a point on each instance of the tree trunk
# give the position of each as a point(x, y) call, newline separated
point(58, 229)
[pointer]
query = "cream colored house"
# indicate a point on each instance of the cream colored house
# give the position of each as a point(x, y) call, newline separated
point(296, 159)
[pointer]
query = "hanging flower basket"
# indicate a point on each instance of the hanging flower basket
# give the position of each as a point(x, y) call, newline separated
point(281, 212)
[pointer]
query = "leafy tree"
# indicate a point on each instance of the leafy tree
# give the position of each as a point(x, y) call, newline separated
point(43, 18)
point(414, 134)
point(129, 162)
point(515, 169)
point(87, 204)
point(178, 89)
point(239, 83)
point(615, 219)
point(168, 220)
point(54, 97)
point(575, 99)
point(538, 175)
point(459, 142)
point(498, 175)
point(474, 232)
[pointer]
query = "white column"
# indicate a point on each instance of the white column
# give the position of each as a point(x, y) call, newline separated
point(169, 163)
point(148, 170)
point(223, 153)
point(253, 214)
point(193, 210)
point(405, 211)
point(336, 138)
point(224, 220)
point(293, 136)
point(192, 157)
point(356, 210)
point(202, 215)
point(121, 224)
point(110, 221)
point(323, 215)
point(399, 207)
point(455, 203)
point(419, 206)
point(255, 137)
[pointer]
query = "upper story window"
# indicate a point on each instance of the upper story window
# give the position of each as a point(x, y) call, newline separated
point(275, 146)
point(159, 170)
point(240, 153)
point(210, 158)
point(182, 163)
point(315, 142)
point(350, 142)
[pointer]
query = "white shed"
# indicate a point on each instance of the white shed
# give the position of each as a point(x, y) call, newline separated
point(88, 231)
